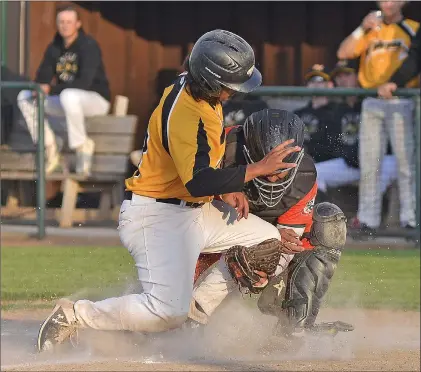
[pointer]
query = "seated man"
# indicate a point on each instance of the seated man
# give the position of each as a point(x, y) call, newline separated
point(72, 75)
point(312, 238)
point(344, 168)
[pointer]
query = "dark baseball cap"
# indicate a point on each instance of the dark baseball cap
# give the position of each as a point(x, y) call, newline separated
point(345, 65)
point(318, 73)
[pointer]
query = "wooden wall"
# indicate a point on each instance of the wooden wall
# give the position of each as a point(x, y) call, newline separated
point(140, 38)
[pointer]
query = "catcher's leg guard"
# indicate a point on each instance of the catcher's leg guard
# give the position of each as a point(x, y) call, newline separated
point(295, 295)
point(309, 277)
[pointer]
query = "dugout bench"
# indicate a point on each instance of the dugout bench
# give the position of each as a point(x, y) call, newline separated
point(114, 140)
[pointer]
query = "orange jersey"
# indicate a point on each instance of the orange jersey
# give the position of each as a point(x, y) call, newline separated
point(300, 216)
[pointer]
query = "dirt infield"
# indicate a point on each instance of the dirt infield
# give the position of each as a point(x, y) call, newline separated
point(238, 338)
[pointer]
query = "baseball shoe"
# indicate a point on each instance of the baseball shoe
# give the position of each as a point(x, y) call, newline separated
point(52, 158)
point(84, 156)
point(330, 328)
point(361, 231)
point(60, 325)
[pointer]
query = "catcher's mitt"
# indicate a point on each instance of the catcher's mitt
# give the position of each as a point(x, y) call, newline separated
point(242, 263)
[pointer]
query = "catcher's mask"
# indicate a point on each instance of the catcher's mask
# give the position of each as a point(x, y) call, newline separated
point(263, 131)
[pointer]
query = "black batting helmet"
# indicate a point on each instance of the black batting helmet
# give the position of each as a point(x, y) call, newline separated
point(221, 58)
point(263, 131)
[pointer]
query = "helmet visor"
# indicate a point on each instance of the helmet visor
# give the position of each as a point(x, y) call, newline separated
point(254, 81)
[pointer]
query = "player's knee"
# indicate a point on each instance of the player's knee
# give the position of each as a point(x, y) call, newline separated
point(24, 95)
point(158, 324)
point(146, 313)
point(329, 226)
point(69, 97)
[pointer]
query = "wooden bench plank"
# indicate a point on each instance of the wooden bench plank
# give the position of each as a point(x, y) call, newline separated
point(112, 124)
point(79, 215)
point(113, 164)
point(31, 176)
point(104, 143)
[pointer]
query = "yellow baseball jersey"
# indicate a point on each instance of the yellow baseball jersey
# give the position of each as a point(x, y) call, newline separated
point(184, 136)
point(383, 51)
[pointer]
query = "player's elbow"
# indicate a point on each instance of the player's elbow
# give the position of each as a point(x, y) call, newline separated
point(340, 54)
point(344, 52)
point(198, 189)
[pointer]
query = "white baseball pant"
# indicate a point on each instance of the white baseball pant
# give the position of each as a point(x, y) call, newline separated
point(336, 172)
point(165, 242)
point(382, 119)
point(73, 104)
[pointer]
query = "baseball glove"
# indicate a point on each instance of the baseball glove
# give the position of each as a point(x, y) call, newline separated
point(242, 263)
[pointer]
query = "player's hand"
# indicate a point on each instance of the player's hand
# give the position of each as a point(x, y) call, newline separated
point(46, 88)
point(273, 161)
point(370, 21)
point(386, 90)
point(263, 279)
point(291, 243)
point(238, 201)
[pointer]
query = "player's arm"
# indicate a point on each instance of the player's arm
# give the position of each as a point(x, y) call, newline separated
point(356, 43)
point(45, 72)
point(411, 67)
point(294, 224)
point(195, 150)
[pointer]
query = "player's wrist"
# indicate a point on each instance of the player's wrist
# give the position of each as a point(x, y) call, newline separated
point(253, 171)
point(358, 33)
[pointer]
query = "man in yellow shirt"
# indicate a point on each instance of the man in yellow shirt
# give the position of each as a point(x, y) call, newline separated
point(382, 43)
point(168, 216)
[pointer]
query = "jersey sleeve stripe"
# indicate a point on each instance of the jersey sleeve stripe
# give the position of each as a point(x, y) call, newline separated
point(407, 29)
point(202, 158)
point(167, 108)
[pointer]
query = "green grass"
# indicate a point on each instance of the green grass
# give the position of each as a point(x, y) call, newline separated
point(47, 273)
point(374, 279)
point(377, 279)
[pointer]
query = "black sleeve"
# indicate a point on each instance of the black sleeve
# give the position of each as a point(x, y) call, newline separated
point(210, 181)
point(46, 69)
point(90, 60)
point(411, 67)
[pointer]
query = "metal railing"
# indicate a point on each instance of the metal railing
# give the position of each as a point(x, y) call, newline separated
point(40, 149)
point(262, 91)
point(3, 50)
point(286, 91)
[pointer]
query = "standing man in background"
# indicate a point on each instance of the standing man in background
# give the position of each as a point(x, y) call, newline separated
point(72, 76)
point(382, 43)
point(345, 169)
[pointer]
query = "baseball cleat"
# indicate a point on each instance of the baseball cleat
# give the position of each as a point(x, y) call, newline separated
point(331, 328)
point(60, 325)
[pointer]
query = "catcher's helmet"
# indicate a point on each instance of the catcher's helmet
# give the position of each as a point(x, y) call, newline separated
point(221, 58)
point(263, 131)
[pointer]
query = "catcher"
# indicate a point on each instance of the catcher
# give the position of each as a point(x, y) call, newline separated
point(312, 236)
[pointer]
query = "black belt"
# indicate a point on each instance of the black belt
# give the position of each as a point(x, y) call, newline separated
point(174, 201)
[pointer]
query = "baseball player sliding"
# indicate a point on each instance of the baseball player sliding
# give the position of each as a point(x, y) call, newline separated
point(169, 216)
point(313, 238)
